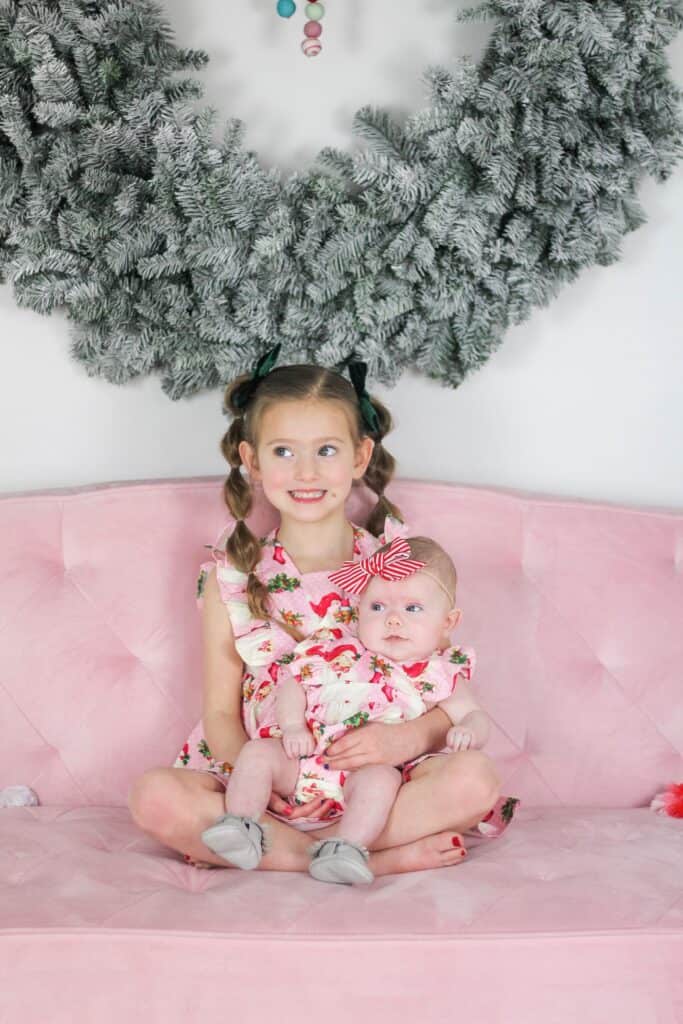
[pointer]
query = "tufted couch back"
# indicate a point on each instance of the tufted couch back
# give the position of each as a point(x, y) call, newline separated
point(575, 610)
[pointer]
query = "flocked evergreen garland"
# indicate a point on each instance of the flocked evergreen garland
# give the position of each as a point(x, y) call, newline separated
point(174, 252)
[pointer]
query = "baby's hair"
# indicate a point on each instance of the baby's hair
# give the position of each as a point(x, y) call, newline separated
point(303, 382)
point(438, 563)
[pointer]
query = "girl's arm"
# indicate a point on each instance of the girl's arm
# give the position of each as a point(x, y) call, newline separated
point(382, 743)
point(223, 668)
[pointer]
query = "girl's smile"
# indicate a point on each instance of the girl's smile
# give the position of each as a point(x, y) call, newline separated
point(308, 496)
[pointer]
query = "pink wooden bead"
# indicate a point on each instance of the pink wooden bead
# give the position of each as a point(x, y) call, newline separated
point(313, 29)
point(311, 47)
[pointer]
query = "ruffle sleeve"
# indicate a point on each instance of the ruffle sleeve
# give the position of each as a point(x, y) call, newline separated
point(257, 641)
point(436, 678)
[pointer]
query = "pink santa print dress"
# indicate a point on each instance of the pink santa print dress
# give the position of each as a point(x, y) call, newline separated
point(308, 601)
point(347, 686)
point(303, 600)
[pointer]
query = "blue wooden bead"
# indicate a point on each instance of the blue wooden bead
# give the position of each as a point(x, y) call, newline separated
point(286, 8)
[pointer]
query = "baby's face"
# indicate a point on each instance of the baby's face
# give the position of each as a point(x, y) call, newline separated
point(405, 620)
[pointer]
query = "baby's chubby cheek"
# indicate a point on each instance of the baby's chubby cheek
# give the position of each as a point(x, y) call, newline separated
point(366, 634)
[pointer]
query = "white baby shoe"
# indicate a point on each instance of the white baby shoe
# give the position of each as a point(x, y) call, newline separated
point(240, 841)
point(338, 860)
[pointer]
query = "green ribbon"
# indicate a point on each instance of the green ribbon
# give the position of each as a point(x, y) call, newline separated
point(358, 371)
point(265, 364)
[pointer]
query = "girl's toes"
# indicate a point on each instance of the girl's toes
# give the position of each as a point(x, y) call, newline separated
point(452, 847)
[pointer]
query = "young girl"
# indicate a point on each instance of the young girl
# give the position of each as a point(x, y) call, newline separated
point(392, 668)
point(305, 435)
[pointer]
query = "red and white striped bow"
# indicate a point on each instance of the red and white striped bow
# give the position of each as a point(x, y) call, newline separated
point(393, 564)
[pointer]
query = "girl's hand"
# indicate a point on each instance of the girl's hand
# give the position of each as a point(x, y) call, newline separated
point(298, 741)
point(376, 743)
point(459, 738)
point(318, 808)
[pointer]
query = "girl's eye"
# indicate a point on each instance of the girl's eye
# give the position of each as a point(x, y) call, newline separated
point(327, 450)
point(282, 452)
point(376, 606)
point(414, 608)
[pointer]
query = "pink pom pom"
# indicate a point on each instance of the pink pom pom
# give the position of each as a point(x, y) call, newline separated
point(313, 29)
point(670, 802)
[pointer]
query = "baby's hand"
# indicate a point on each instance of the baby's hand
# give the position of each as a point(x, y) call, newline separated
point(298, 741)
point(458, 738)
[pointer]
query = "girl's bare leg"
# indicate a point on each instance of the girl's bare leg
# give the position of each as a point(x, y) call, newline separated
point(262, 768)
point(369, 795)
point(175, 806)
point(452, 792)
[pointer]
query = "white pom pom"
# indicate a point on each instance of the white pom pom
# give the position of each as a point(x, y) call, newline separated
point(311, 47)
point(18, 796)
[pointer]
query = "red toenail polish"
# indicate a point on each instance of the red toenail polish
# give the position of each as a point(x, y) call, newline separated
point(456, 841)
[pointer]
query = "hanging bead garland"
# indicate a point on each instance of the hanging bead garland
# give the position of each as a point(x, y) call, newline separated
point(311, 46)
point(313, 30)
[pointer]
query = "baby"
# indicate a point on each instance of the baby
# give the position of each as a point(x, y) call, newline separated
point(398, 666)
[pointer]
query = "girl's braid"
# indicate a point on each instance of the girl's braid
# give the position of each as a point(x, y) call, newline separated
point(242, 547)
point(380, 471)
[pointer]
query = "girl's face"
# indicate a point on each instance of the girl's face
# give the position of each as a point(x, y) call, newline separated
point(405, 620)
point(305, 458)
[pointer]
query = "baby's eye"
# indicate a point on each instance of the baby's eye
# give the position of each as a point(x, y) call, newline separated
point(413, 607)
point(327, 450)
point(376, 606)
point(281, 451)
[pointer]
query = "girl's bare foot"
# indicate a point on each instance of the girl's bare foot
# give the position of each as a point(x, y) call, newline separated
point(439, 851)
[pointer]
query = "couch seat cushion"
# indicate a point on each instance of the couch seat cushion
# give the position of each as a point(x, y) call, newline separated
point(573, 914)
point(555, 870)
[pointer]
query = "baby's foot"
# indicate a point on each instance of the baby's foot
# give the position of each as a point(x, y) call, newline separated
point(239, 840)
point(439, 851)
point(338, 860)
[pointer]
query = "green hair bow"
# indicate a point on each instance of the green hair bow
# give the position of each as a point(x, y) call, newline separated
point(358, 371)
point(245, 392)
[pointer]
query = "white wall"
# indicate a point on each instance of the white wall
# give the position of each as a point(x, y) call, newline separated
point(583, 400)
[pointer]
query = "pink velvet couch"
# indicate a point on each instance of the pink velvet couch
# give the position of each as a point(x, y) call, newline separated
point(574, 915)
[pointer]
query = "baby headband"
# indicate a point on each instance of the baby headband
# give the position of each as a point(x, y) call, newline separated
point(360, 573)
point(393, 564)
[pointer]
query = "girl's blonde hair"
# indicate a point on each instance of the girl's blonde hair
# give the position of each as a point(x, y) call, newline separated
point(290, 384)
